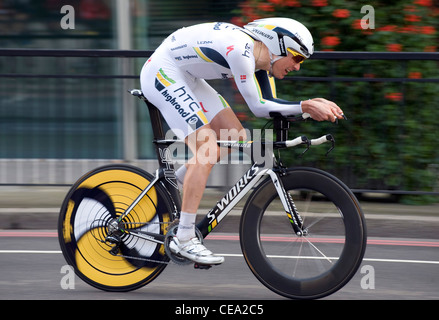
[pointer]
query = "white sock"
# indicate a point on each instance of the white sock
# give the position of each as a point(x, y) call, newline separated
point(180, 173)
point(186, 226)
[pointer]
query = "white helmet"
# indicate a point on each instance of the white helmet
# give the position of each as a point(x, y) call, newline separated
point(281, 34)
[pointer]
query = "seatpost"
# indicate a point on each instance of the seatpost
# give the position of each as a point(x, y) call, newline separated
point(281, 126)
point(163, 154)
point(156, 123)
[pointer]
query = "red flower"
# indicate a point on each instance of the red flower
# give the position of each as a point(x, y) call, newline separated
point(408, 29)
point(394, 47)
point(415, 75)
point(319, 3)
point(412, 18)
point(330, 41)
point(286, 3)
point(341, 13)
point(238, 21)
point(292, 3)
point(278, 2)
point(394, 96)
point(425, 3)
point(430, 49)
point(249, 13)
point(389, 28)
point(427, 30)
point(410, 8)
point(266, 7)
point(357, 24)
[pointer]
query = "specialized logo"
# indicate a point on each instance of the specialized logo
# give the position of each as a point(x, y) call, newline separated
point(230, 49)
point(202, 107)
point(166, 158)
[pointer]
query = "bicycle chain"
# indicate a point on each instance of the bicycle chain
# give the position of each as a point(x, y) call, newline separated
point(142, 259)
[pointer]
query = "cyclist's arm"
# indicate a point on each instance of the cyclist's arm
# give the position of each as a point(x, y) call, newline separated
point(265, 101)
point(258, 90)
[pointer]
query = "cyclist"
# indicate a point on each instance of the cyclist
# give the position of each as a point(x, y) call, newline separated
point(173, 79)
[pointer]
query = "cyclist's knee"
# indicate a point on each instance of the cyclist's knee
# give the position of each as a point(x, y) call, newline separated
point(207, 155)
point(204, 147)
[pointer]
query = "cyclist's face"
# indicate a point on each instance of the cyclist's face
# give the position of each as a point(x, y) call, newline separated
point(285, 65)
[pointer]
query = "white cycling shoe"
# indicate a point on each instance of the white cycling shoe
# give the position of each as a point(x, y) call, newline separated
point(195, 251)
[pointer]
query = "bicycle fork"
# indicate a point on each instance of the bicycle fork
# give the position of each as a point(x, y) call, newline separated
point(288, 204)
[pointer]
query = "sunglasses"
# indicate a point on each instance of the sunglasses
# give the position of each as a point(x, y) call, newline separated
point(298, 58)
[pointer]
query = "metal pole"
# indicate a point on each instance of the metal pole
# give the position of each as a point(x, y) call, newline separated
point(124, 42)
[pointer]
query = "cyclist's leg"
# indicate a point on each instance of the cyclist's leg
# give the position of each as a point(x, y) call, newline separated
point(203, 145)
point(174, 93)
point(228, 127)
point(221, 117)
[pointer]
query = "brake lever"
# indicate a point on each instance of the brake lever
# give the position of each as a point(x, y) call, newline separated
point(306, 141)
point(344, 117)
point(329, 137)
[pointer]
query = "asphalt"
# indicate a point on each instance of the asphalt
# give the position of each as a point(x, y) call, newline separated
point(37, 207)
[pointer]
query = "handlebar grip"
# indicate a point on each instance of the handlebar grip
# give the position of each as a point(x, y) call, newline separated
point(296, 142)
point(322, 139)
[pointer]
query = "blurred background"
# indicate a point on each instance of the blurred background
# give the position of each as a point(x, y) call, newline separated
point(64, 114)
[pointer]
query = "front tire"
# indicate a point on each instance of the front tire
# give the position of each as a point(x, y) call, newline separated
point(311, 266)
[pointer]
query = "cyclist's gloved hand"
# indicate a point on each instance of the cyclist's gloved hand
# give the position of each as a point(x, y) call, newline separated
point(321, 109)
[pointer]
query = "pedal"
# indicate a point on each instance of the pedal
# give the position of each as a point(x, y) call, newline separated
point(202, 266)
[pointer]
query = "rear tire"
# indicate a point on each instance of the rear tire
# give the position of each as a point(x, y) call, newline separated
point(95, 200)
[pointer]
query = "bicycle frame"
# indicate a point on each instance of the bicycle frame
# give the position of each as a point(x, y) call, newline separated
point(125, 212)
point(166, 175)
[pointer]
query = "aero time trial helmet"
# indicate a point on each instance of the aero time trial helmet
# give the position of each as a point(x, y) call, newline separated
point(281, 35)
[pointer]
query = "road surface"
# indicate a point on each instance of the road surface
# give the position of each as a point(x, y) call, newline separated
point(31, 265)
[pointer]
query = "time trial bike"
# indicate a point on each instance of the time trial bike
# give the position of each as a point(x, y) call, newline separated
point(302, 231)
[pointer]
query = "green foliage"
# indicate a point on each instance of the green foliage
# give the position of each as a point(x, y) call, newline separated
point(390, 140)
